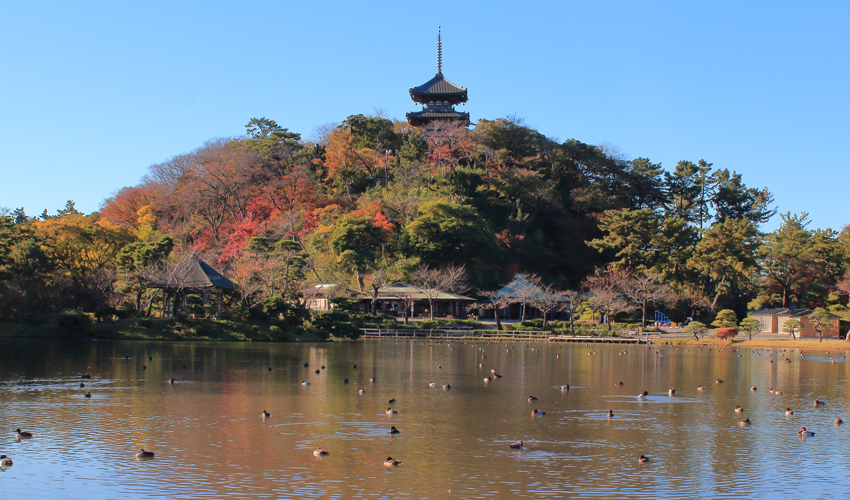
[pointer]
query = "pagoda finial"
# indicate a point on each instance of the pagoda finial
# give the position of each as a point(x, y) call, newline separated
point(439, 52)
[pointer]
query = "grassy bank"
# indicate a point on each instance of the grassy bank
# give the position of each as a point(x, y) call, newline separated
point(826, 345)
point(167, 329)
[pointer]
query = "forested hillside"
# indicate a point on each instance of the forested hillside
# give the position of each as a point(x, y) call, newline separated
point(372, 200)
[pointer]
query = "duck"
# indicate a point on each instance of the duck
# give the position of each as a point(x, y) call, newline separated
point(320, 452)
point(537, 413)
point(788, 412)
point(391, 411)
point(496, 375)
point(270, 368)
point(777, 393)
point(745, 423)
point(447, 387)
point(304, 382)
point(517, 445)
point(619, 384)
point(87, 395)
point(391, 462)
point(5, 461)
point(345, 381)
point(838, 421)
point(306, 365)
point(754, 388)
point(23, 434)
point(432, 384)
point(355, 366)
point(265, 414)
point(144, 454)
point(531, 398)
point(486, 379)
point(392, 401)
point(172, 381)
point(372, 379)
point(818, 403)
point(804, 433)
point(82, 385)
point(672, 391)
point(700, 388)
point(86, 377)
point(564, 387)
point(610, 414)
point(318, 372)
point(643, 395)
point(393, 430)
point(643, 459)
point(738, 409)
point(361, 391)
point(718, 381)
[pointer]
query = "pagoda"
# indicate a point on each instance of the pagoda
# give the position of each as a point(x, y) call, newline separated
point(439, 97)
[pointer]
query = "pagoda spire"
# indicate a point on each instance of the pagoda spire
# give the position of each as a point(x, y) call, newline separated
point(439, 52)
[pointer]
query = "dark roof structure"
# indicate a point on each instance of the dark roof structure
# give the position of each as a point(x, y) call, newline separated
point(439, 96)
point(194, 275)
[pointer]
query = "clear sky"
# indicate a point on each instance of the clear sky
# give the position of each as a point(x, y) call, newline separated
point(92, 93)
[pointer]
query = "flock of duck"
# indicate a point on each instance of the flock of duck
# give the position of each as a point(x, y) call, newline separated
point(20, 435)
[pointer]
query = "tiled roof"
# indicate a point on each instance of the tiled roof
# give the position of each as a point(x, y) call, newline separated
point(424, 115)
point(437, 87)
point(397, 291)
point(196, 275)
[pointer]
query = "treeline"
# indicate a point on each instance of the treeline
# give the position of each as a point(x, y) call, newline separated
point(374, 201)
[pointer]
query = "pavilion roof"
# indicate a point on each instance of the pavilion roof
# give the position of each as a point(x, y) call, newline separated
point(195, 274)
point(398, 291)
point(439, 89)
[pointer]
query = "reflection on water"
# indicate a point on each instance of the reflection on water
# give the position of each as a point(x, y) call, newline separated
point(211, 441)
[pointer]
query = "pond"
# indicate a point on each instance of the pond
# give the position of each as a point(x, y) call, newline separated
point(210, 440)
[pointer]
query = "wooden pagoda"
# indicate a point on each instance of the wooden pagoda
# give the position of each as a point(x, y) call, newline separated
point(439, 97)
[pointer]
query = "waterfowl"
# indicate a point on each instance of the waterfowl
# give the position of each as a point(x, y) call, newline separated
point(87, 395)
point(788, 412)
point(672, 391)
point(345, 381)
point(643, 395)
point(643, 459)
point(393, 430)
point(320, 452)
point(323, 367)
point(317, 372)
point(392, 401)
point(144, 454)
point(738, 409)
point(745, 423)
point(486, 379)
point(610, 414)
point(700, 388)
point(537, 413)
point(144, 367)
point(564, 387)
point(171, 381)
point(517, 445)
point(270, 368)
point(304, 382)
point(838, 421)
point(804, 433)
point(306, 365)
point(777, 393)
point(754, 388)
point(86, 377)
point(372, 379)
point(82, 385)
point(432, 384)
point(620, 383)
point(531, 398)
point(391, 462)
point(23, 434)
point(447, 386)
point(391, 411)
point(818, 403)
point(361, 391)
point(355, 367)
point(266, 414)
point(496, 375)
point(5, 461)
point(718, 381)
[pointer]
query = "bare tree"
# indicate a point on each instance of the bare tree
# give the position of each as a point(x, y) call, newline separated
point(496, 303)
point(526, 287)
point(548, 301)
point(571, 296)
point(606, 293)
point(432, 282)
point(645, 289)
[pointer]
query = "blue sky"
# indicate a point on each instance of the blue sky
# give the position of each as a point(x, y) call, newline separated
point(92, 93)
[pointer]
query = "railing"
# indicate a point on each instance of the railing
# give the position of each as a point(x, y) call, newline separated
point(542, 336)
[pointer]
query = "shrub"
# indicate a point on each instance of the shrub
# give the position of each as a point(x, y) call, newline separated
point(31, 319)
point(143, 322)
point(74, 323)
point(726, 333)
point(106, 313)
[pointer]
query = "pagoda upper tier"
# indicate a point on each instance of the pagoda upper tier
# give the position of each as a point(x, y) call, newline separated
point(438, 96)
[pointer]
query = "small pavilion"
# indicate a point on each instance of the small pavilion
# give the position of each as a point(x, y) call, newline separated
point(439, 97)
point(192, 276)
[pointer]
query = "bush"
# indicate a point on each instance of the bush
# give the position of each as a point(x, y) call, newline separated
point(726, 333)
point(144, 322)
point(31, 319)
point(107, 313)
point(74, 323)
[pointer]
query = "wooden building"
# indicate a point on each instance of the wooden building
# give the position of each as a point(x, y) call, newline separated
point(439, 96)
point(772, 321)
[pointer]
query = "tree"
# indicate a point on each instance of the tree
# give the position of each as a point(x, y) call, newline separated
point(727, 254)
point(696, 329)
point(645, 289)
point(523, 288)
point(433, 282)
point(630, 234)
point(750, 326)
point(786, 257)
point(793, 326)
point(572, 296)
point(357, 241)
point(725, 319)
point(547, 301)
point(821, 320)
point(447, 232)
point(140, 261)
point(496, 303)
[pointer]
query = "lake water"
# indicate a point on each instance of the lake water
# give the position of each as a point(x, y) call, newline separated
point(211, 442)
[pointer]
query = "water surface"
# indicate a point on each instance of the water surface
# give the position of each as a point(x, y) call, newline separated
point(210, 441)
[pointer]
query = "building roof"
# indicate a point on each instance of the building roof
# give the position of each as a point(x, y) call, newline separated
point(194, 274)
point(438, 89)
point(399, 291)
point(426, 115)
point(782, 311)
